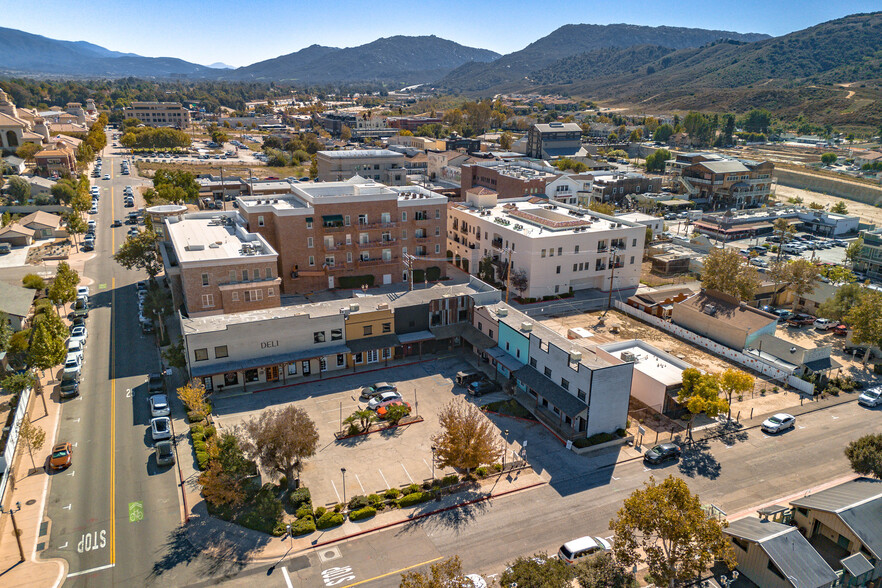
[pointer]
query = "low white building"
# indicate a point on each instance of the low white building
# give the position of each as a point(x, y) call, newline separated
point(656, 223)
point(559, 247)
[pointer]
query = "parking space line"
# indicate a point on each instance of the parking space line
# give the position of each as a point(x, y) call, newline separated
point(384, 479)
point(427, 464)
point(335, 490)
point(406, 472)
point(359, 483)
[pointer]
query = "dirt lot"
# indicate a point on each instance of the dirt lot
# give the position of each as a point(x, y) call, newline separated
point(763, 400)
point(867, 212)
point(809, 337)
point(654, 280)
point(147, 169)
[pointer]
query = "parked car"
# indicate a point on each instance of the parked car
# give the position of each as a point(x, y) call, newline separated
point(577, 549)
point(376, 389)
point(155, 384)
point(662, 453)
point(70, 385)
point(466, 377)
point(482, 387)
point(160, 428)
point(824, 324)
point(871, 397)
point(159, 405)
point(800, 320)
point(165, 455)
point(782, 313)
point(79, 333)
point(62, 456)
point(778, 423)
point(382, 397)
point(840, 330)
point(116, 223)
point(858, 351)
point(384, 408)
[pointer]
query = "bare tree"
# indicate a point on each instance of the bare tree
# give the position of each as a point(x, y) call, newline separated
point(519, 281)
point(32, 437)
point(467, 439)
point(280, 439)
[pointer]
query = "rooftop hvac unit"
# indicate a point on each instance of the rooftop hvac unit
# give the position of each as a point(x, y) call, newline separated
point(198, 247)
point(502, 312)
point(629, 356)
point(353, 307)
point(214, 246)
point(576, 356)
point(526, 326)
point(383, 306)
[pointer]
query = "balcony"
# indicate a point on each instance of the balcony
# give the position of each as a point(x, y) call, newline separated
point(380, 243)
point(376, 261)
point(388, 225)
point(334, 228)
point(496, 244)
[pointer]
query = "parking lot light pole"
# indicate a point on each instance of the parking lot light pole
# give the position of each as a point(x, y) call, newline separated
point(433, 462)
point(343, 470)
point(15, 530)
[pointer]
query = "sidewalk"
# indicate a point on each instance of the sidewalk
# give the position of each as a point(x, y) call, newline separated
point(30, 489)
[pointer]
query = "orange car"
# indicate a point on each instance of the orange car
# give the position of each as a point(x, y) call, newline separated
point(384, 408)
point(61, 456)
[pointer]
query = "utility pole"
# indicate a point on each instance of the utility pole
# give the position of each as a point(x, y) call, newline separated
point(223, 191)
point(612, 273)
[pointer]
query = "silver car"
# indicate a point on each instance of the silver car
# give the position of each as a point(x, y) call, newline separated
point(779, 422)
point(159, 406)
point(376, 401)
point(871, 397)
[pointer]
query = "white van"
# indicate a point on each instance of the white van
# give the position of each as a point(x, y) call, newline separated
point(573, 551)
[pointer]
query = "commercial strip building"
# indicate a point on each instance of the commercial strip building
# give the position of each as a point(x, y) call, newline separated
point(742, 224)
point(723, 182)
point(160, 114)
point(381, 165)
point(559, 247)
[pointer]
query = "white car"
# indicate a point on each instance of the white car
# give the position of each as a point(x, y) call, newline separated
point(572, 551)
point(79, 334)
point(778, 423)
point(91, 223)
point(825, 324)
point(106, 176)
point(83, 291)
point(160, 428)
point(75, 348)
point(871, 397)
point(159, 406)
point(376, 401)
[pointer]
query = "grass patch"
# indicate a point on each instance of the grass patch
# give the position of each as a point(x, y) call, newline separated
point(509, 407)
point(599, 438)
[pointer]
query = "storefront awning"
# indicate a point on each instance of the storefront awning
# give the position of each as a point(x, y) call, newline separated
point(567, 403)
point(332, 218)
point(507, 361)
point(477, 338)
point(199, 371)
point(407, 338)
point(381, 342)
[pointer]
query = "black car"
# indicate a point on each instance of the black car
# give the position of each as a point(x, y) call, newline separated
point(858, 351)
point(662, 453)
point(116, 223)
point(70, 385)
point(482, 387)
point(155, 384)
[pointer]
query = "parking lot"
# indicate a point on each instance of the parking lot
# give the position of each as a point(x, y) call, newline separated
point(376, 462)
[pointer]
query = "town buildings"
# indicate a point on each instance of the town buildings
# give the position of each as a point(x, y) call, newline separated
point(508, 179)
point(722, 182)
point(348, 234)
point(869, 259)
point(732, 225)
point(555, 140)
point(59, 158)
point(381, 165)
point(412, 123)
point(160, 114)
point(559, 247)
point(723, 318)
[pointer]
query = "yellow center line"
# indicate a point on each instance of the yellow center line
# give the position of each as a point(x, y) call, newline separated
point(391, 573)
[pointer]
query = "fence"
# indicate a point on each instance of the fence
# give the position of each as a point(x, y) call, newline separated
point(736, 356)
point(12, 440)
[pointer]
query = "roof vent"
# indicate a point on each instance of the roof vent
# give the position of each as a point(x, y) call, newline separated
point(198, 247)
point(383, 306)
point(214, 246)
point(526, 326)
point(502, 312)
point(709, 309)
point(353, 307)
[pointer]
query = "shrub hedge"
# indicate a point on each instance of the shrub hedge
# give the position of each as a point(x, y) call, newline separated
point(411, 489)
point(303, 526)
point(202, 460)
point(362, 513)
point(392, 493)
point(305, 510)
point(413, 498)
point(299, 497)
point(328, 520)
point(449, 480)
point(358, 501)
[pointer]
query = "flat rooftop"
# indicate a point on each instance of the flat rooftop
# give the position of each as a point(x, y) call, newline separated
point(205, 238)
point(537, 219)
point(306, 196)
point(359, 153)
point(655, 363)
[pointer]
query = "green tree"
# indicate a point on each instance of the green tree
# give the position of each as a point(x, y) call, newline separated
point(726, 271)
point(84, 154)
point(313, 168)
point(839, 208)
point(219, 137)
point(75, 225)
point(5, 331)
point(364, 417)
point(63, 192)
point(158, 305)
point(442, 574)
point(32, 436)
point(139, 251)
point(837, 274)
point(345, 133)
point(853, 251)
point(396, 412)
point(784, 231)
point(467, 438)
point(843, 300)
point(757, 121)
point(801, 277)
point(828, 158)
point(281, 439)
point(519, 281)
point(816, 206)
point(603, 571)
point(17, 382)
point(663, 133)
point(734, 383)
point(47, 350)
point(635, 136)
point(486, 272)
point(665, 526)
point(656, 161)
point(537, 570)
point(229, 469)
point(506, 140)
point(174, 355)
point(865, 319)
point(27, 151)
point(602, 207)
point(33, 281)
point(18, 189)
point(64, 286)
point(728, 129)
point(128, 124)
point(865, 455)
point(699, 394)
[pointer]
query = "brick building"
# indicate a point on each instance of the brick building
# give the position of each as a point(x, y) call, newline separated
point(508, 179)
point(346, 234)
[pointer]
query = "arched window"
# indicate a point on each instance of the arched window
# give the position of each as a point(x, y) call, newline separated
point(11, 139)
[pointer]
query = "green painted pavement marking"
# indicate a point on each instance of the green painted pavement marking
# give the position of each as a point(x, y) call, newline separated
point(136, 512)
point(102, 286)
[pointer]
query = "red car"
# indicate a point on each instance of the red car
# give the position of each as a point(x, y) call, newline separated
point(840, 330)
point(384, 408)
point(800, 320)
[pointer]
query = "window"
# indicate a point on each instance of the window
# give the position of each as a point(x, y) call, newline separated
point(560, 250)
point(387, 254)
point(318, 337)
point(232, 275)
point(207, 300)
point(204, 279)
point(341, 360)
point(348, 257)
point(740, 542)
point(437, 249)
point(532, 362)
point(543, 253)
point(329, 260)
point(221, 351)
point(309, 242)
point(245, 275)
point(358, 358)
point(268, 273)
point(437, 213)
point(336, 334)
point(404, 233)
point(387, 327)
point(557, 288)
point(548, 372)
point(634, 243)
point(557, 271)
point(309, 223)
point(235, 297)
point(363, 238)
point(480, 328)
point(368, 330)
point(346, 220)
point(200, 354)
point(403, 216)
point(632, 260)
point(260, 221)
point(551, 253)
point(385, 218)
point(490, 333)
point(580, 394)
point(270, 292)
point(403, 250)
point(581, 266)
point(362, 219)
point(349, 239)
point(577, 249)
point(329, 242)
point(385, 353)
point(575, 267)
point(311, 260)
point(565, 384)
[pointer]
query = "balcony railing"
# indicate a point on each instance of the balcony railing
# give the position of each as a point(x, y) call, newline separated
point(377, 261)
point(496, 243)
point(381, 225)
point(377, 243)
point(334, 228)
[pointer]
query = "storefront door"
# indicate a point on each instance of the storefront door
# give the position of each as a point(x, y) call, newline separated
point(304, 365)
point(373, 356)
point(272, 373)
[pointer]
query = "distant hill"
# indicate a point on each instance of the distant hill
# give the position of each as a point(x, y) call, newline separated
point(22, 52)
point(575, 39)
point(399, 58)
point(220, 65)
point(598, 63)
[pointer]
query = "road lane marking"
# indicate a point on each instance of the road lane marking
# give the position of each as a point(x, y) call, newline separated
point(71, 473)
point(384, 479)
point(614, 478)
point(287, 577)
point(112, 423)
point(408, 473)
point(357, 479)
point(136, 511)
point(66, 507)
point(90, 571)
point(386, 575)
point(63, 546)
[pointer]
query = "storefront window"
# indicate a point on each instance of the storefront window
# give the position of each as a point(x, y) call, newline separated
point(251, 376)
point(208, 383)
point(231, 378)
point(292, 369)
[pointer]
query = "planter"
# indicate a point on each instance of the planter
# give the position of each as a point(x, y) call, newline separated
point(382, 427)
point(613, 443)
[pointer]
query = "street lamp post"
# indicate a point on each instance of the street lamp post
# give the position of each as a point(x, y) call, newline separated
point(505, 449)
point(726, 582)
point(343, 470)
point(15, 530)
point(433, 462)
point(612, 274)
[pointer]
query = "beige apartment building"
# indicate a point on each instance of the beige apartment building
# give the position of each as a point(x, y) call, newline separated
point(350, 234)
point(160, 114)
point(380, 165)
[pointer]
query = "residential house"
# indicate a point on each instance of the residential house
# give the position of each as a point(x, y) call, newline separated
point(656, 223)
point(44, 224)
point(59, 160)
point(16, 235)
point(14, 165)
point(39, 186)
point(723, 318)
point(16, 302)
point(792, 358)
point(660, 302)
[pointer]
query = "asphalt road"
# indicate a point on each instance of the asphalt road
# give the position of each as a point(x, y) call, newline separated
point(113, 508)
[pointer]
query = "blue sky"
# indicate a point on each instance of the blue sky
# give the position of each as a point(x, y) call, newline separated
point(244, 31)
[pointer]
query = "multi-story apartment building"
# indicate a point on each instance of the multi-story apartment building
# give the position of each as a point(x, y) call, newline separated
point(160, 114)
point(724, 182)
point(869, 260)
point(216, 266)
point(615, 186)
point(347, 234)
point(382, 165)
point(558, 246)
point(514, 179)
point(553, 140)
